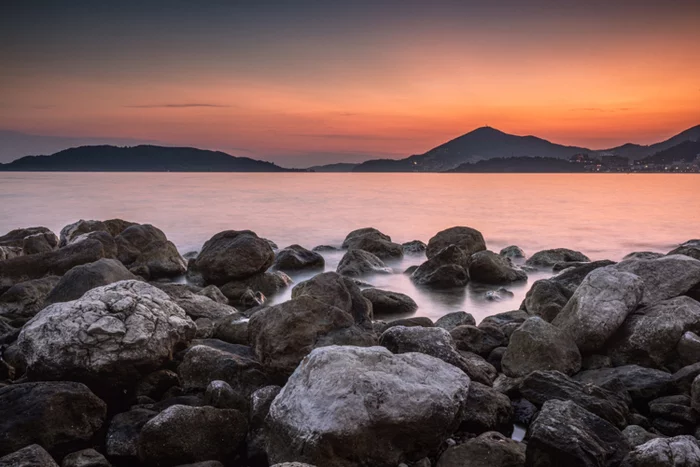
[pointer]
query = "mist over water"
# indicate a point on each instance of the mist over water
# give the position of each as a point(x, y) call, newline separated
point(603, 216)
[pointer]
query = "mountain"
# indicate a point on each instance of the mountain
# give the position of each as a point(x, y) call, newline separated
point(687, 151)
point(480, 144)
point(339, 167)
point(519, 165)
point(143, 158)
point(637, 151)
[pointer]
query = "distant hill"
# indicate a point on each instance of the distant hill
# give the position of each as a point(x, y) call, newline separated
point(637, 151)
point(339, 167)
point(144, 158)
point(480, 144)
point(519, 165)
point(687, 151)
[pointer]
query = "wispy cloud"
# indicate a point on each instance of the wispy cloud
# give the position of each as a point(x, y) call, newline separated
point(174, 106)
point(599, 109)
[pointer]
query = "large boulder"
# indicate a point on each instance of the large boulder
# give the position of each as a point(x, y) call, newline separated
point(30, 456)
point(232, 255)
point(85, 458)
point(339, 291)
point(367, 232)
point(487, 410)
point(512, 251)
point(207, 303)
point(489, 268)
point(15, 238)
point(649, 336)
point(357, 263)
point(490, 449)
point(537, 345)
point(665, 277)
point(445, 269)
point(457, 318)
point(387, 303)
point(548, 258)
point(55, 415)
point(384, 408)
point(192, 434)
point(147, 252)
point(679, 451)
point(109, 336)
point(382, 249)
point(642, 384)
point(566, 434)
point(296, 258)
point(480, 340)
point(24, 300)
point(599, 306)
point(414, 247)
point(465, 238)
point(39, 243)
point(124, 430)
point(81, 227)
point(266, 283)
point(282, 335)
point(85, 277)
point(690, 248)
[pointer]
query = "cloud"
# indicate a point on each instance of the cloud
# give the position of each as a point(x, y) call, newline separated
point(599, 109)
point(174, 106)
point(361, 137)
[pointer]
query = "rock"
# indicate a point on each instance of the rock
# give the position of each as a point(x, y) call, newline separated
point(548, 258)
point(233, 255)
point(557, 267)
point(435, 342)
point(88, 276)
point(367, 232)
point(267, 283)
point(325, 248)
point(688, 348)
point(117, 226)
point(233, 330)
point(695, 393)
point(29, 456)
point(643, 255)
point(147, 252)
point(680, 451)
point(338, 291)
point(507, 321)
point(55, 415)
point(357, 263)
point(465, 238)
point(489, 268)
point(382, 249)
point(107, 241)
point(649, 336)
point(108, 337)
point(283, 334)
point(7, 252)
point(537, 345)
point(599, 306)
point(487, 410)
point(497, 295)
point(124, 430)
point(512, 251)
point(221, 395)
point(216, 360)
point(595, 361)
point(39, 243)
point(197, 304)
point(414, 247)
point(422, 321)
point(495, 358)
point(73, 231)
point(643, 384)
point(24, 300)
point(675, 412)
point(454, 319)
point(260, 402)
point(566, 434)
point(191, 434)
point(203, 464)
point(85, 458)
point(480, 340)
point(15, 238)
point(374, 394)
point(155, 384)
point(296, 258)
point(540, 386)
point(691, 249)
point(24, 268)
point(386, 303)
point(445, 269)
point(490, 449)
point(636, 435)
point(665, 277)
point(293, 464)
point(524, 411)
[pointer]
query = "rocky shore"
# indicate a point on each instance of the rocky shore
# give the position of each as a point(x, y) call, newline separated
point(115, 350)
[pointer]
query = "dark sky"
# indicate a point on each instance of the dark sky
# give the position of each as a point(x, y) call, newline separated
point(308, 81)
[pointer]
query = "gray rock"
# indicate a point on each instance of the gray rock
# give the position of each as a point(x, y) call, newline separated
point(29, 456)
point(233, 255)
point(414, 247)
point(124, 430)
point(191, 434)
point(649, 336)
point(695, 393)
point(454, 319)
point(688, 348)
point(8, 252)
point(81, 227)
point(221, 395)
point(490, 449)
point(636, 435)
point(268, 284)
point(512, 251)
point(448, 268)
point(537, 345)
point(487, 410)
point(387, 303)
point(422, 321)
point(599, 307)
point(155, 384)
point(147, 252)
point(325, 248)
point(643, 384)
point(108, 337)
point(15, 238)
point(293, 464)
point(233, 329)
point(366, 232)
point(548, 258)
point(39, 243)
point(374, 395)
point(260, 402)
point(465, 238)
point(296, 258)
point(680, 451)
point(25, 299)
point(198, 304)
point(382, 249)
point(480, 340)
point(690, 248)
point(85, 458)
point(489, 268)
point(357, 263)
point(643, 255)
point(85, 277)
point(507, 321)
point(665, 277)
point(566, 434)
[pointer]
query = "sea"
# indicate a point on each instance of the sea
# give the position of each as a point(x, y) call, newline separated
point(605, 216)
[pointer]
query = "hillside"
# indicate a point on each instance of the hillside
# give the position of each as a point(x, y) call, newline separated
point(144, 158)
point(637, 151)
point(687, 151)
point(519, 165)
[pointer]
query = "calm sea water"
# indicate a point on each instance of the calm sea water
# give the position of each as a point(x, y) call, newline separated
point(603, 215)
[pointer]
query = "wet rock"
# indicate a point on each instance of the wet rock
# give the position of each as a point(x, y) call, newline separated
point(357, 263)
point(454, 319)
point(643, 384)
point(85, 277)
point(512, 251)
point(387, 303)
point(487, 410)
point(55, 415)
point(468, 240)
point(690, 248)
point(680, 451)
point(596, 361)
point(507, 322)
point(29, 456)
point(233, 255)
point(7, 252)
point(233, 330)
point(537, 345)
point(480, 340)
point(124, 430)
point(446, 269)
point(414, 247)
point(545, 299)
point(498, 295)
point(489, 268)
point(108, 337)
point(24, 300)
point(566, 434)
point(85, 458)
point(643, 255)
point(325, 248)
point(374, 395)
point(191, 434)
point(599, 307)
point(366, 232)
point(296, 258)
point(548, 258)
point(650, 335)
point(665, 277)
point(146, 251)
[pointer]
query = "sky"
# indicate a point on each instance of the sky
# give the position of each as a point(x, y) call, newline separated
point(304, 82)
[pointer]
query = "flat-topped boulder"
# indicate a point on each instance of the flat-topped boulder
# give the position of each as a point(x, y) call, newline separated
point(233, 255)
point(387, 303)
point(81, 227)
point(467, 239)
point(295, 258)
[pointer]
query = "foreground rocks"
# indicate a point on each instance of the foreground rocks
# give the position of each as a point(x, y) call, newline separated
point(232, 255)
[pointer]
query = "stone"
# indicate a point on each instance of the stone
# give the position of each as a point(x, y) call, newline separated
point(512, 251)
point(233, 329)
point(414, 247)
point(55, 415)
point(599, 307)
point(24, 300)
point(296, 258)
point(454, 319)
point(489, 268)
point(548, 258)
point(374, 394)
point(507, 322)
point(15, 238)
point(448, 268)
point(325, 248)
point(88, 276)
point(357, 263)
point(643, 255)
point(490, 449)
point(387, 303)
point(636, 435)
point(487, 410)
point(268, 284)
point(146, 251)
point(537, 345)
point(260, 402)
point(85, 458)
point(366, 232)
point(124, 430)
point(200, 305)
point(108, 337)
point(233, 255)
point(382, 249)
point(155, 385)
point(665, 277)
point(643, 384)
point(422, 321)
point(467, 239)
point(221, 395)
point(39, 243)
point(688, 348)
point(29, 456)
point(524, 411)
point(480, 340)
point(191, 434)
point(566, 434)
point(545, 299)
point(680, 451)
point(81, 227)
